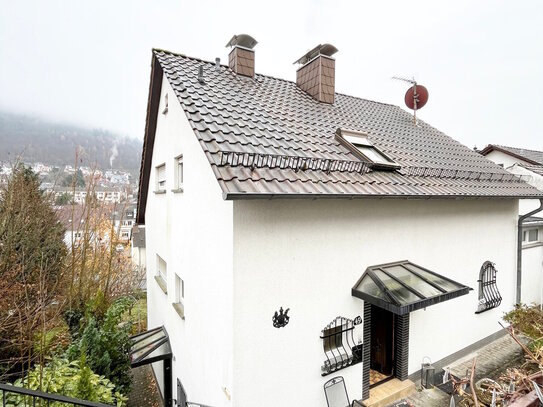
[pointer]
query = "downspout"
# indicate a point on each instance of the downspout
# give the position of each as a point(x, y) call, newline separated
point(519, 246)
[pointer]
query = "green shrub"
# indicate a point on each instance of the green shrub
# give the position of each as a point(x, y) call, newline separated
point(106, 345)
point(526, 319)
point(72, 379)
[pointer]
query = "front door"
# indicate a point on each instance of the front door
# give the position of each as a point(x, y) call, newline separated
point(382, 344)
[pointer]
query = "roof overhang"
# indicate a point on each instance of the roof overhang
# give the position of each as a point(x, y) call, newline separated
point(402, 287)
point(153, 101)
point(234, 196)
point(491, 147)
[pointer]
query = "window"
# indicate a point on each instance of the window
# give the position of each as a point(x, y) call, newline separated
point(178, 180)
point(161, 178)
point(161, 273)
point(125, 235)
point(489, 296)
point(363, 148)
point(165, 104)
point(530, 235)
point(339, 346)
point(179, 303)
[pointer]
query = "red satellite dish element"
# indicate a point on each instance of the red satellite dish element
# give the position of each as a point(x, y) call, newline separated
point(421, 97)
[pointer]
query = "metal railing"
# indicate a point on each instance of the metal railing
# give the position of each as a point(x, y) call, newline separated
point(35, 397)
point(300, 163)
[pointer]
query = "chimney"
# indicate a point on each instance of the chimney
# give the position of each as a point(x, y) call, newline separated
point(317, 75)
point(242, 57)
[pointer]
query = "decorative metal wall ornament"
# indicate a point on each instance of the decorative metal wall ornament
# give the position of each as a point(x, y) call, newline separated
point(281, 318)
point(489, 296)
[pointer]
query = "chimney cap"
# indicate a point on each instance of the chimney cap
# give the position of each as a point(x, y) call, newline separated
point(242, 40)
point(321, 49)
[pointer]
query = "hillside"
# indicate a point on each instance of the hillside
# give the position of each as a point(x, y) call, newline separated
point(53, 143)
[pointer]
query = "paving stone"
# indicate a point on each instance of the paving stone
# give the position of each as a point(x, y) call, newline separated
point(144, 389)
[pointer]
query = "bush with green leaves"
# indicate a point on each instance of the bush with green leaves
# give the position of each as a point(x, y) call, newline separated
point(72, 379)
point(105, 343)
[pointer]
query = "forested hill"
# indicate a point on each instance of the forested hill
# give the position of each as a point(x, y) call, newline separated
point(53, 143)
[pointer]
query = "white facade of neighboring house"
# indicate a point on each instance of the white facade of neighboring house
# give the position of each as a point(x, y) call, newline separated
point(220, 267)
point(107, 195)
point(525, 164)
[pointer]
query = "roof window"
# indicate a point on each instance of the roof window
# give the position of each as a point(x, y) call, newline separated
point(359, 144)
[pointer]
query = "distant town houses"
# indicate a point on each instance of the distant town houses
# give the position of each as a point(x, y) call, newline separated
point(79, 195)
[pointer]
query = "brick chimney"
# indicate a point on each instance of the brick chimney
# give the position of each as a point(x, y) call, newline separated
point(242, 57)
point(317, 75)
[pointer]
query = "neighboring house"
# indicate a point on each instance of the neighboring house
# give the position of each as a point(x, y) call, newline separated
point(104, 194)
point(124, 219)
point(527, 164)
point(295, 234)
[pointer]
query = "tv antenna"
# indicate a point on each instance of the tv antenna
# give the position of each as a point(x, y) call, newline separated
point(415, 97)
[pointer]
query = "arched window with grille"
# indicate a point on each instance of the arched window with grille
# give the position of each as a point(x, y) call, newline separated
point(489, 296)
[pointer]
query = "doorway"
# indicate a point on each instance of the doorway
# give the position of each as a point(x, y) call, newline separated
point(382, 366)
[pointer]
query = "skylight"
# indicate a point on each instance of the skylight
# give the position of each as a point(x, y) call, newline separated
point(363, 148)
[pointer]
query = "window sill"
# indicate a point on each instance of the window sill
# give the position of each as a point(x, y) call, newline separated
point(162, 284)
point(531, 244)
point(177, 190)
point(160, 191)
point(179, 308)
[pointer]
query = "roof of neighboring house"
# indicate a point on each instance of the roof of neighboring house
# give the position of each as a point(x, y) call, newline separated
point(531, 156)
point(538, 169)
point(265, 137)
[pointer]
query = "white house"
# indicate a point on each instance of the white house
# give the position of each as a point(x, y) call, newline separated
point(527, 164)
point(295, 234)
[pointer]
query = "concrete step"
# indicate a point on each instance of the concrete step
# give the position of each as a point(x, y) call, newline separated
point(388, 392)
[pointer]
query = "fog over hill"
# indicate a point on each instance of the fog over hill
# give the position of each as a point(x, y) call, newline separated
point(36, 140)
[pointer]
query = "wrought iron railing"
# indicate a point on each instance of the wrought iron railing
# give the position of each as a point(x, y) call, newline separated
point(15, 396)
point(340, 348)
point(300, 163)
point(489, 296)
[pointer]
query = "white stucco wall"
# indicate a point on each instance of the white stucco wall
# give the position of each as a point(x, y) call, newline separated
point(532, 273)
point(504, 159)
point(307, 255)
point(192, 232)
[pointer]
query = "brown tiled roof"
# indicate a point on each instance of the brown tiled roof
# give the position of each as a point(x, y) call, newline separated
point(265, 137)
point(531, 156)
point(538, 169)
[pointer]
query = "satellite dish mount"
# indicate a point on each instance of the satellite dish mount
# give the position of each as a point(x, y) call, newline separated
point(415, 97)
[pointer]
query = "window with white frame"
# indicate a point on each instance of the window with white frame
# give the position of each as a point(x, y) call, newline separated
point(161, 273)
point(178, 181)
point(161, 178)
point(530, 236)
point(179, 303)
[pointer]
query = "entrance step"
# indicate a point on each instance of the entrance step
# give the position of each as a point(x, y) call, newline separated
point(388, 392)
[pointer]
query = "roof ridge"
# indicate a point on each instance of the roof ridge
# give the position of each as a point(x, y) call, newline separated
point(268, 76)
point(518, 148)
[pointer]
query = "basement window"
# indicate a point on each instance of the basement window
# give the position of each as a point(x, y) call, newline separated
point(489, 296)
point(359, 144)
point(530, 236)
point(339, 346)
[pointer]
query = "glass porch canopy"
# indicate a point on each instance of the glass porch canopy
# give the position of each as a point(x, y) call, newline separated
point(403, 287)
point(149, 347)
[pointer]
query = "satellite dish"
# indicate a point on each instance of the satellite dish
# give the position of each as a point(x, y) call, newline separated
point(416, 97)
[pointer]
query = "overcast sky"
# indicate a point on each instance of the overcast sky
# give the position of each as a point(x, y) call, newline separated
point(88, 62)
